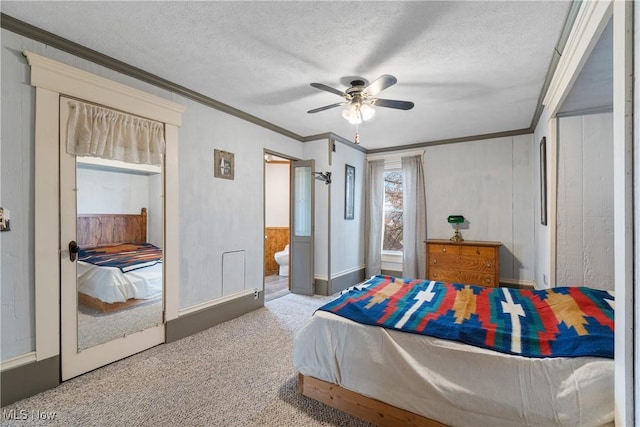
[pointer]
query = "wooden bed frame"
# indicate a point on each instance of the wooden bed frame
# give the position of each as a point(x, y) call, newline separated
point(95, 230)
point(106, 307)
point(366, 408)
point(111, 229)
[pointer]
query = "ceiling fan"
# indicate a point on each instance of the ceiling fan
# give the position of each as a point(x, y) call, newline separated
point(361, 100)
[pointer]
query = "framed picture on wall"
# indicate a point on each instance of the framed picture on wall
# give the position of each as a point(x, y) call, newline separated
point(543, 181)
point(349, 191)
point(223, 164)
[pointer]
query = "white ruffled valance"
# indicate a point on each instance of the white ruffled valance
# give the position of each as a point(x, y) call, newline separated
point(100, 132)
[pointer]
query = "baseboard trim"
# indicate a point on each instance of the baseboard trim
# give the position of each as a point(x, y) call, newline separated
point(393, 273)
point(518, 284)
point(507, 283)
point(200, 320)
point(340, 283)
point(217, 301)
point(321, 286)
point(14, 362)
point(26, 380)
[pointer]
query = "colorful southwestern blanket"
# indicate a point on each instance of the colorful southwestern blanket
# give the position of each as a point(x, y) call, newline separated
point(558, 322)
point(126, 256)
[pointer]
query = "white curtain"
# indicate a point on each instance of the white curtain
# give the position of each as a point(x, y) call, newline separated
point(414, 231)
point(100, 132)
point(375, 214)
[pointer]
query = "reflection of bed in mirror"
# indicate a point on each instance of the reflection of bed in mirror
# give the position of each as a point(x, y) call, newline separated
point(117, 268)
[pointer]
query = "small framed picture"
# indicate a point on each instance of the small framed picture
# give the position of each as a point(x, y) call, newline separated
point(349, 191)
point(543, 181)
point(223, 164)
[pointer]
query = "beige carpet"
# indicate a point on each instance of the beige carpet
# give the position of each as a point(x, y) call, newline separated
point(96, 328)
point(238, 373)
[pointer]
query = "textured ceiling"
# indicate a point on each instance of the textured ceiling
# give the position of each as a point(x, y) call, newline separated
point(471, 68)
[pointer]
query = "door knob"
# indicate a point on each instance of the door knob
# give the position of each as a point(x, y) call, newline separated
point(73, 250)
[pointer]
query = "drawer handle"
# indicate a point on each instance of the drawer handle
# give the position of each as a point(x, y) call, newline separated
point(488, 280)
point(435, 274)
point(444, 249)
point(477, 251)
point(435, 261)
point(488, 265)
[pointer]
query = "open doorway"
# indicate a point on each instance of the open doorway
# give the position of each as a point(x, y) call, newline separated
point(277, 219)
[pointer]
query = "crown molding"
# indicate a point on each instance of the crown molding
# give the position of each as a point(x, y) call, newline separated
point(65, 79)
point(27, 30)
point(555, 58)
point(22, 28)
point(470, 138)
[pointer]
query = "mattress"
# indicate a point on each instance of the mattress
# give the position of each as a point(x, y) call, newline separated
point(110, 284)
point(452, 382)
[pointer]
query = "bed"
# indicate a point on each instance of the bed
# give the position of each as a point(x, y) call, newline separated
point(117, 267)
point(391, 376)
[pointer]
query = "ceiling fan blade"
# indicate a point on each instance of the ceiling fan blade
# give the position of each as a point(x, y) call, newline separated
point(327, 88)
point(390, 103)
point(326, 107)
point(380, 84)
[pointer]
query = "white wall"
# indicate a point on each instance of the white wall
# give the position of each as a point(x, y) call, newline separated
point(542, 233)
point(101, 191)
point(585, 202)
point(216, 215)
point(219, 215)
point(490, 183)
point(113, 191)
point(347, 236)
point(318, 150)
point(17, 191)
point(155, 211)
point(276, 195)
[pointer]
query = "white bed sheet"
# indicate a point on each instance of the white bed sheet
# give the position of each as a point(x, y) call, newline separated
point(455, 383)
point(109, 284)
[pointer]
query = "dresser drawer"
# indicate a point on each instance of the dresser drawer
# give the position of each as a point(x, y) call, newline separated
point(460, 262)
point(434, 249)
point(475, 263)
point(477, 251)
point(464, 277)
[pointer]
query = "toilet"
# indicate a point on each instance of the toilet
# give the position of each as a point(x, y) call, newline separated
point(282, 258)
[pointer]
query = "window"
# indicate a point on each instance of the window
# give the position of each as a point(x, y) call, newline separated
point(392, 233)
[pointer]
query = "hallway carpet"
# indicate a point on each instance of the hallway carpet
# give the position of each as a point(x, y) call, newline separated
point(238, 373)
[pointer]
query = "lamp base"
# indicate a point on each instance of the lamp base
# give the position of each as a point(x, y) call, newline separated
point(456, 236)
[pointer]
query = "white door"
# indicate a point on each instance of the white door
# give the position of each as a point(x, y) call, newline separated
point(79, 354)
point(301, 241)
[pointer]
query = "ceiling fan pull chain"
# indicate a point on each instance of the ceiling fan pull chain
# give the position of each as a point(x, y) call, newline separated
point(356, 139)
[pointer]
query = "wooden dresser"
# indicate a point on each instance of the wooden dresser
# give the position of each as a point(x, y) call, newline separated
point(469, 262)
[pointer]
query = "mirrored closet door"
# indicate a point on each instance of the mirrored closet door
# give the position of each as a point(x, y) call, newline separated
point(112, 268)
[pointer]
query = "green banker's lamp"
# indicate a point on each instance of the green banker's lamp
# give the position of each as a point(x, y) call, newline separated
point(457, 220)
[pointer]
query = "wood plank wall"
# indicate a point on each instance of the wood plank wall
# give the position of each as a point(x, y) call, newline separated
point(276, 238)
point(110, 229)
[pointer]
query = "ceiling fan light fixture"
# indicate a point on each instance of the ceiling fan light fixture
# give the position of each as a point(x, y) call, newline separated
point(367, 111)
point(359, 101)
point(352, 114)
